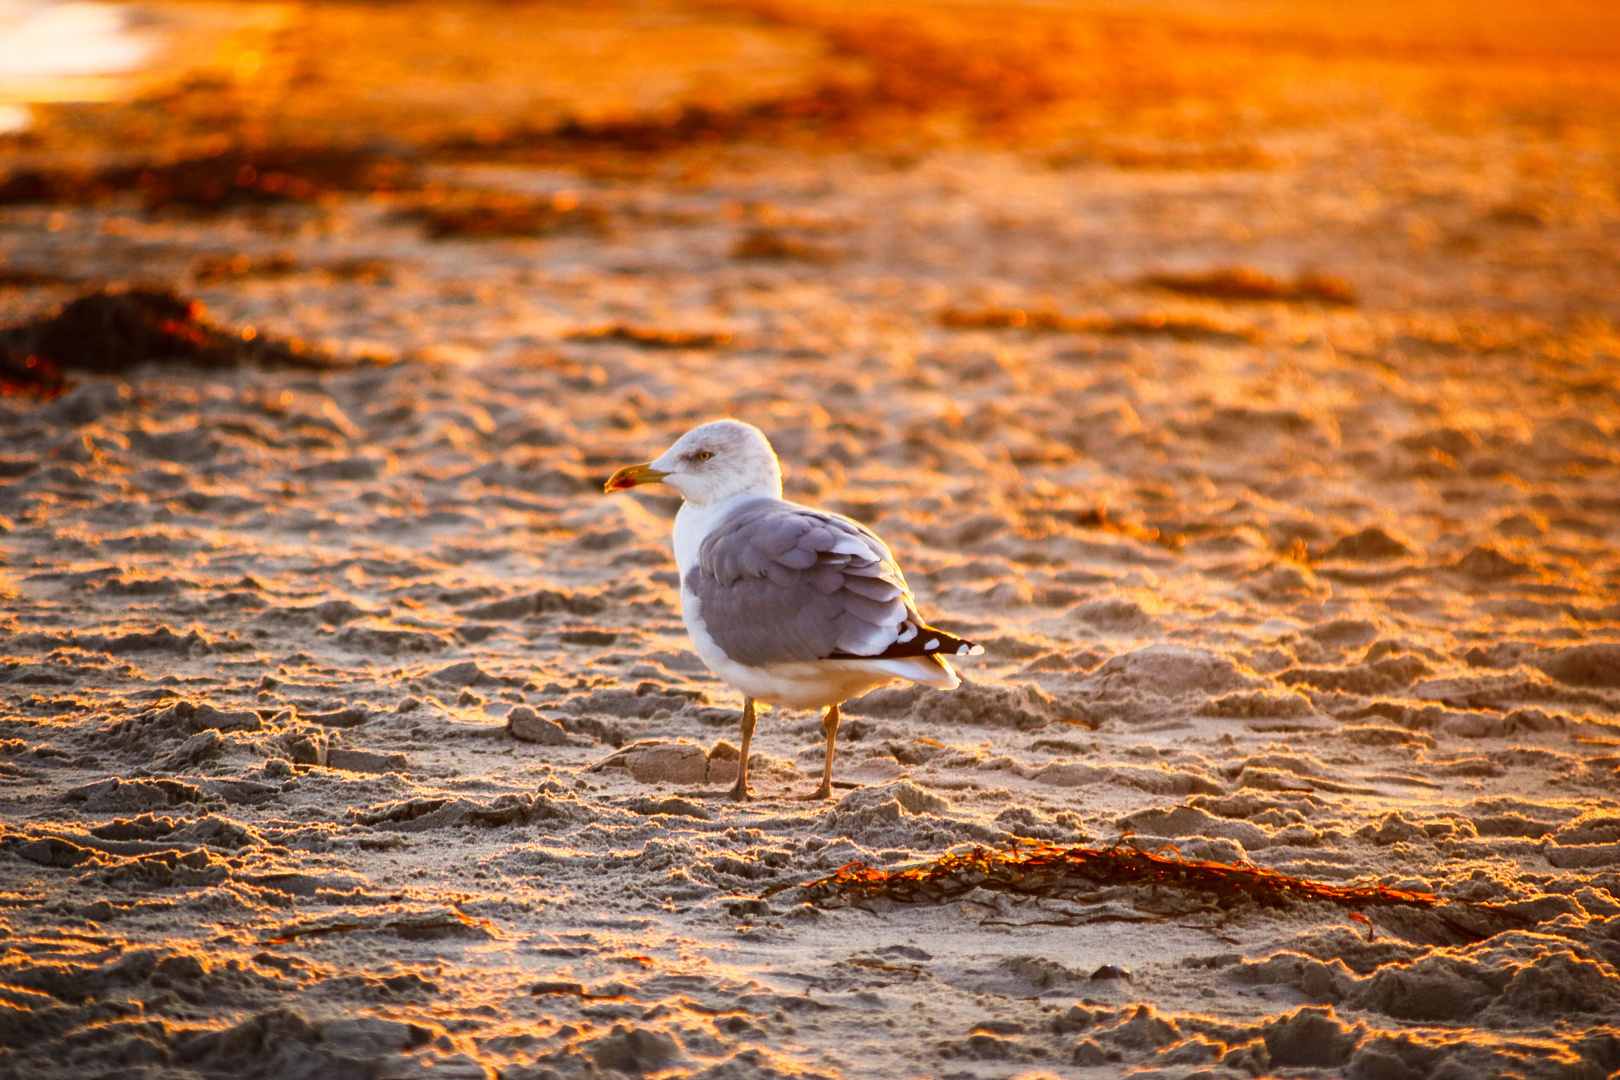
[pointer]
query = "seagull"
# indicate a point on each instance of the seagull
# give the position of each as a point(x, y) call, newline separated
point(789, 605)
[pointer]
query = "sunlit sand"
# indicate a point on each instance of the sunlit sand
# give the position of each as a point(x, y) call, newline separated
point(1243, 376)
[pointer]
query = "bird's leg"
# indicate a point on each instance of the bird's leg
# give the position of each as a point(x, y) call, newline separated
point(829, 723)
point(740, 790)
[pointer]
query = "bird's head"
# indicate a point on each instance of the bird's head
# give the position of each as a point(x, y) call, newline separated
point(711, 463)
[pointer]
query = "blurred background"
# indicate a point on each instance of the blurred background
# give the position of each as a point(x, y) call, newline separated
point(1176, 84)
point(1387, 109)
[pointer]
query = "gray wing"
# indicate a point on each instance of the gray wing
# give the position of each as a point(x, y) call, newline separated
point(777, 582)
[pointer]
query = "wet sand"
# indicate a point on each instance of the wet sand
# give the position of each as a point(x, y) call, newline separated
point(1314, 566)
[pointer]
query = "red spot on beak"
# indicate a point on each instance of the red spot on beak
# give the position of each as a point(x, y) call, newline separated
point(632, 475)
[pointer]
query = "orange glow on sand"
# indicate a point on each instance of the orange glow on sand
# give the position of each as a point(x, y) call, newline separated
point(1242, 375)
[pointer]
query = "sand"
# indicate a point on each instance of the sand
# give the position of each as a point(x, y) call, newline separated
point(1328, 588)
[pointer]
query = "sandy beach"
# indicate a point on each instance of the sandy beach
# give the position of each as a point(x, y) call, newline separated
point(1266, 433)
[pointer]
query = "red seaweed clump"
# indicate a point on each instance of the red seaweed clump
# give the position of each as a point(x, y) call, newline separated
point(109, 331)
point(1075, 872)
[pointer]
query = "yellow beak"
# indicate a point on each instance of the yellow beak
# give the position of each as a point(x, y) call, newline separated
point(632, 475)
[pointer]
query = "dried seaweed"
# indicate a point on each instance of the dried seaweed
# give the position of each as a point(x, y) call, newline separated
point(213, 183)
point(109, 331)
point(370, 271)
point(1247, 283)
point(1045, 870)
point(1009, 318)
point(649, 338)
point(220, 269)
point(215, 269)
point(31, 277)
point(1143, 324)
point(22, 374)
point(774, 244)
point(1178, 157)
point(504, 213)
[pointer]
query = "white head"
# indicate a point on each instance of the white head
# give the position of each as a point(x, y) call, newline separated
point(711, 463)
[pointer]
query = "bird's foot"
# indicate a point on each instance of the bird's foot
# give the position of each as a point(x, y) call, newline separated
point(822, 792)
point(740, 793)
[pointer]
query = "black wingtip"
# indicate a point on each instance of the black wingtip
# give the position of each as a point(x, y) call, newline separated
point(926, 641)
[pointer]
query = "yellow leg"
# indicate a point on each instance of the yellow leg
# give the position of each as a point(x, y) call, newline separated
point(740, 790)
point(829, 723)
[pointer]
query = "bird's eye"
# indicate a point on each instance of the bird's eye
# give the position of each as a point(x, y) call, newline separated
point(703, 455)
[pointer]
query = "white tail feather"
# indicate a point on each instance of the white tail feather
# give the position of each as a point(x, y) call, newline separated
point(928, 670)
